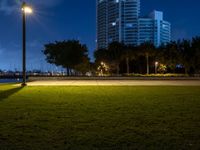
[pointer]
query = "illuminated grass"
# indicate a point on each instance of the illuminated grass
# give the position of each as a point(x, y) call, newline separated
point(99, 118)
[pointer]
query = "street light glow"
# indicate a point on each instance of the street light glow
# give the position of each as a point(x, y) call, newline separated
point(156, 63)
point(27, 10)
point(156, 67)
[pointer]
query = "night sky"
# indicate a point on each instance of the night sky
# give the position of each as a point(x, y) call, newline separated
point(75, 19)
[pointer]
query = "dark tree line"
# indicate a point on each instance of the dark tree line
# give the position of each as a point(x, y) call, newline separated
point(181, 56)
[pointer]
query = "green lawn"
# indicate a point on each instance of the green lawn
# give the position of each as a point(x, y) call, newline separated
point(107, 118)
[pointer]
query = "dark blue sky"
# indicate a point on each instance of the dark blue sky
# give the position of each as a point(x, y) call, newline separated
point(75, 19)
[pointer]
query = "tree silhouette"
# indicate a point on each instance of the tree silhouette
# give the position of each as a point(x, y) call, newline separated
point(115, 51)
point(195, 46)
point(129, 54)
point(147, 50)
point(67, 54)
point(184, 53)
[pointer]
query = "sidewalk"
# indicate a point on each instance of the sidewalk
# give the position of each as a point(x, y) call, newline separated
point(115, 83)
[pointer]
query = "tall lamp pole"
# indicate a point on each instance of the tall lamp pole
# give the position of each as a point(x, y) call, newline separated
point(25, 10)
point(156, 67)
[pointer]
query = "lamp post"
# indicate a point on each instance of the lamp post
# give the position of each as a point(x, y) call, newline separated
point(25, 10)
point(156, 67)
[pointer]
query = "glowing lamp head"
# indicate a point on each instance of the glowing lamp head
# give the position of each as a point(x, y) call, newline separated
point(156, 63)
point(26, 9)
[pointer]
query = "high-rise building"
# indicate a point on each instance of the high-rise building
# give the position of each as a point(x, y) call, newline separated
point(119, 20)
point(102, 23)
point(154, 29)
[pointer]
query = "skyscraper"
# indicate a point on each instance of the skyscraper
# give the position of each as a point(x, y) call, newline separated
point(119, 20)
point(102, 23)
point(154, 29)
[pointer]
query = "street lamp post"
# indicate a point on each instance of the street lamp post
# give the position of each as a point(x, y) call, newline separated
point(156, 67)
point(25, 10)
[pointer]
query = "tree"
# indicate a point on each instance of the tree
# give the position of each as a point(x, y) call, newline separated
point(112, 55)
point(115, 51)
point(101, 55)
point(147, 49)
point(186, 54)
point(171, 55)
point(183, 53)
point(159, 56)
point(68, 54)
point(195, 46)
point(128, 54)
point(83, 67)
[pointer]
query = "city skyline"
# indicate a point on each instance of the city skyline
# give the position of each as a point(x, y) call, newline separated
point(117, 21)
point(121, 21)
point(53, 20)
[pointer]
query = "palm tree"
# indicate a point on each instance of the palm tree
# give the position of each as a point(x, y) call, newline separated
point(101, 55)
point(195, 44)
point(186, 54)
point(147, 49)
point(115, 50)
point(171, 55)
point(129, 54)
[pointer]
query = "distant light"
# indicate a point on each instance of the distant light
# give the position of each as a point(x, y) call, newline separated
point(156, 63)
point(114, 24)
point(27, 10)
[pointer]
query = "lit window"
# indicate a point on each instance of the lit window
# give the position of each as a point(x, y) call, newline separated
point(114, 24)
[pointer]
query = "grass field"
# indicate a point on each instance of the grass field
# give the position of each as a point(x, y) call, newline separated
point(87, 118)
